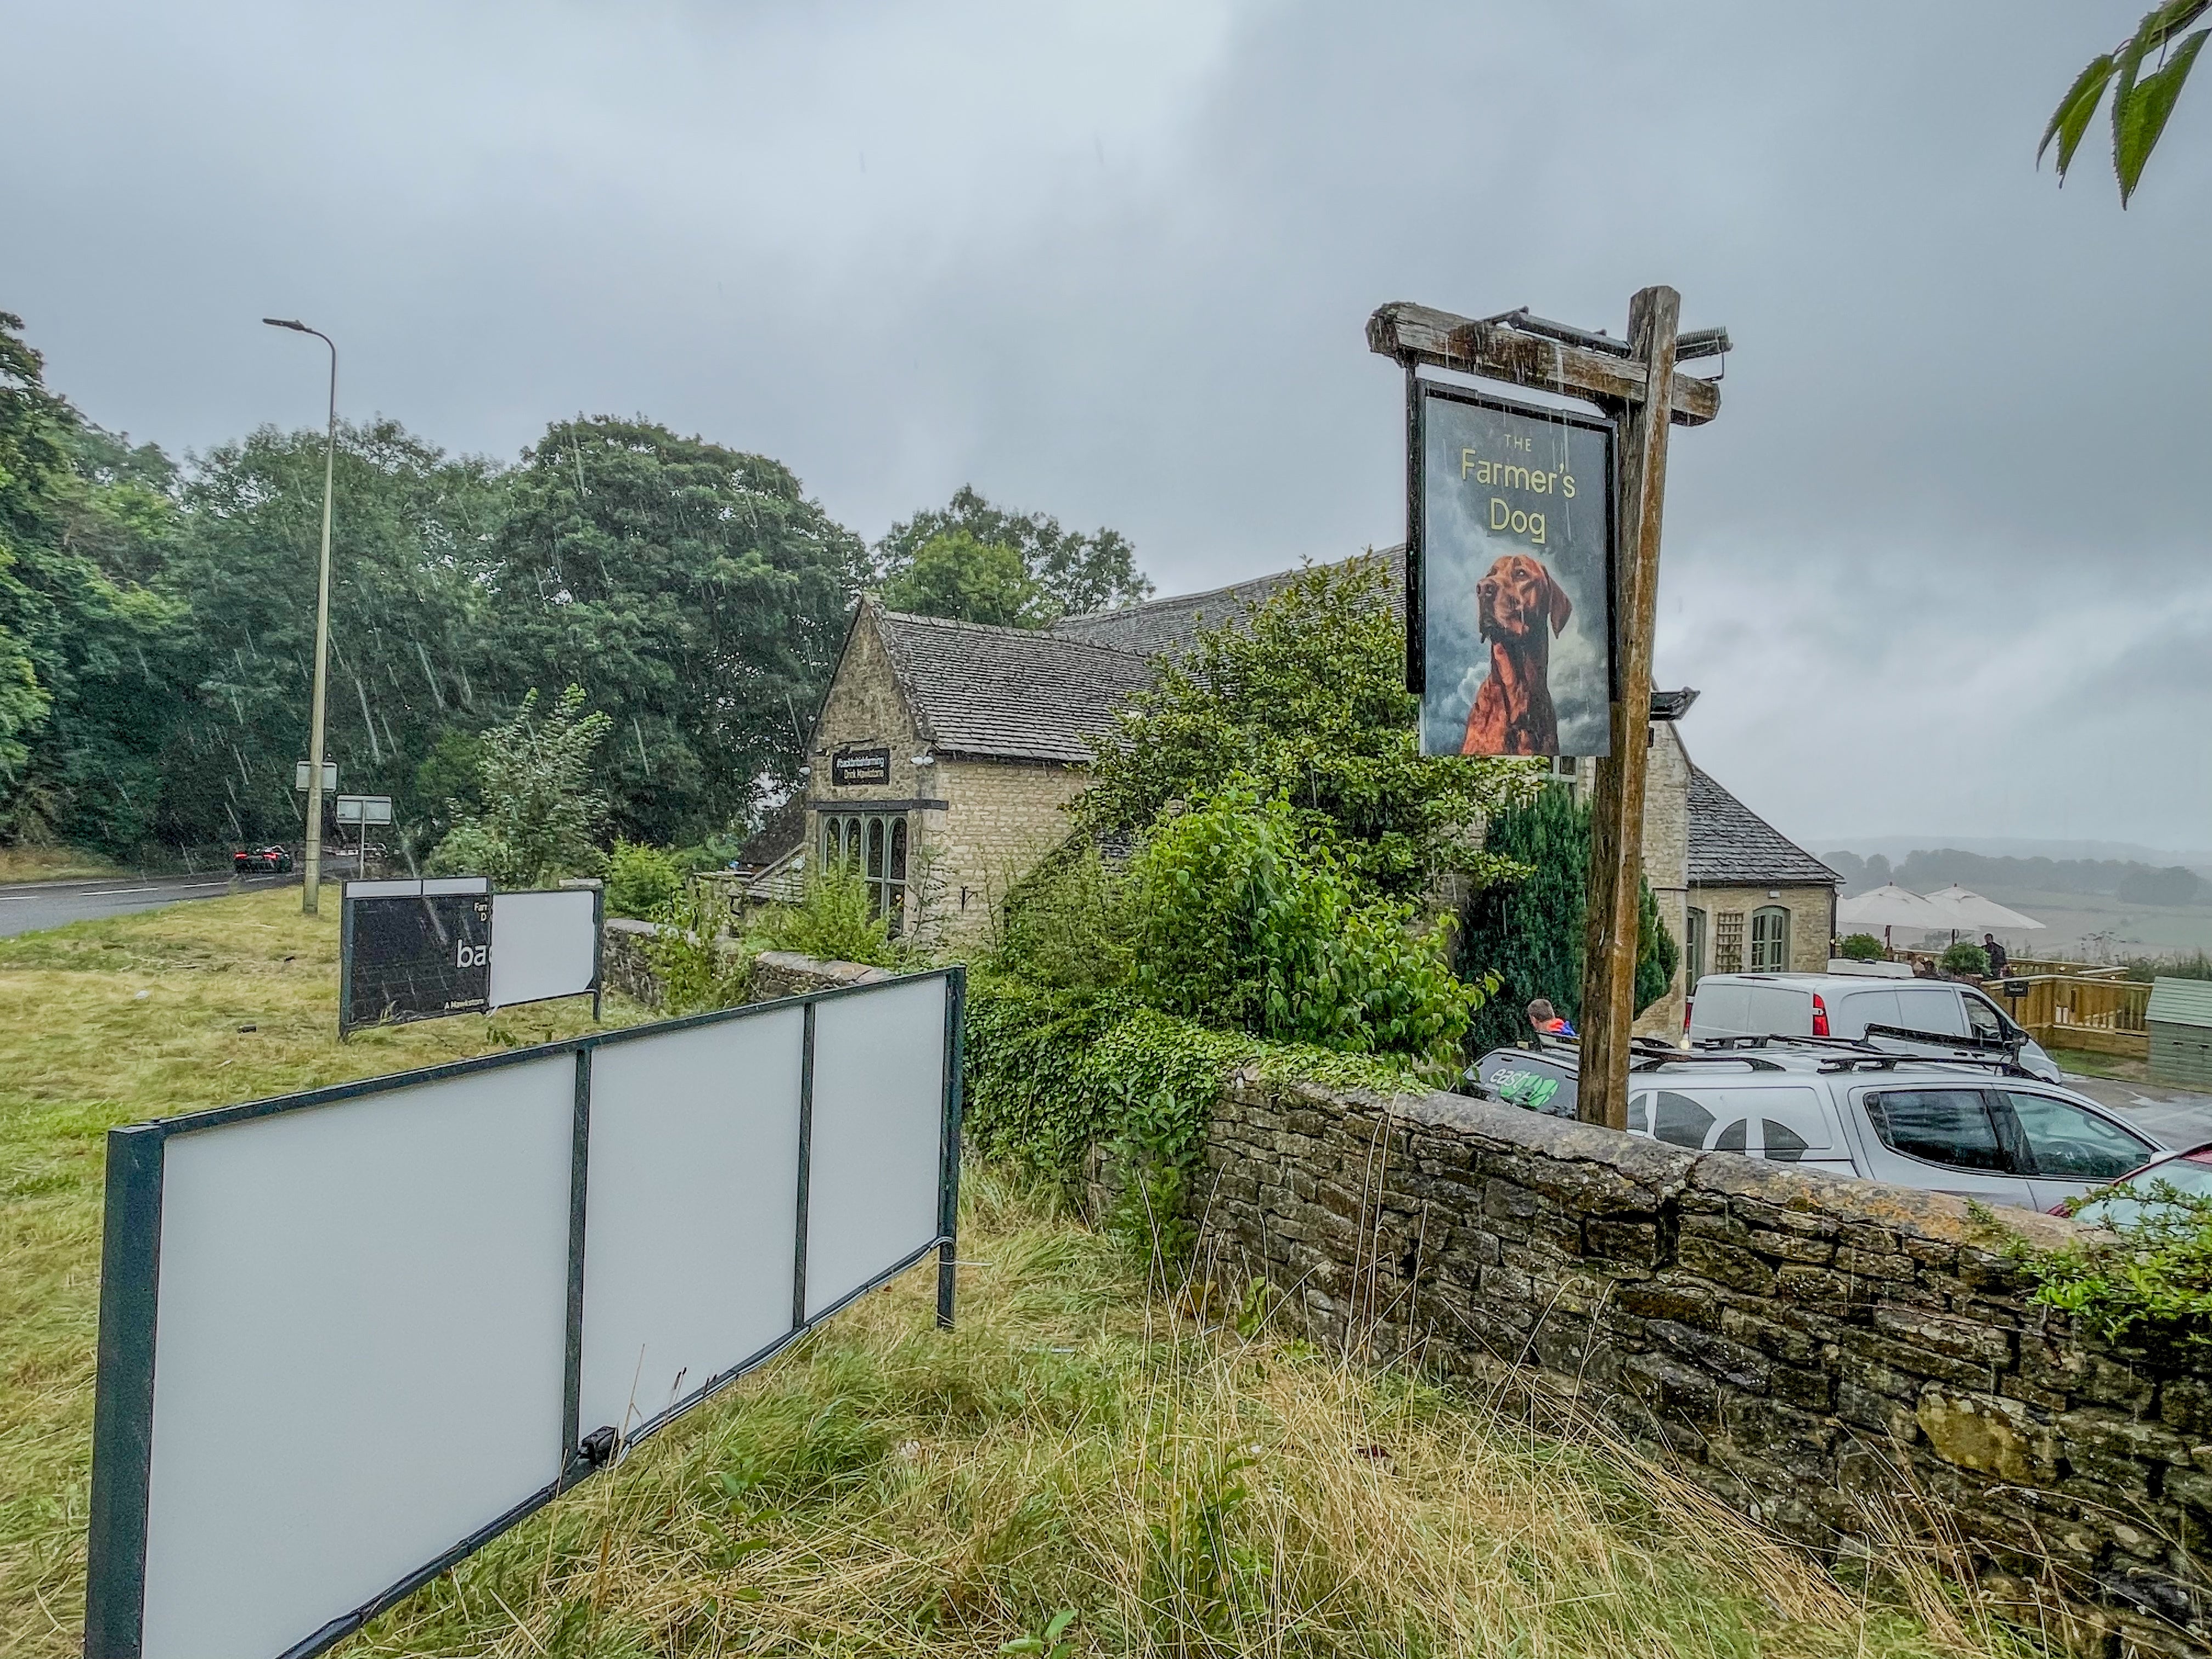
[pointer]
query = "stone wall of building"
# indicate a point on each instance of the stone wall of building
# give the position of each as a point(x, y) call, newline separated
point(1666, 861)
point(1809, 909)
point(1004, 818)
point(1823, 1355)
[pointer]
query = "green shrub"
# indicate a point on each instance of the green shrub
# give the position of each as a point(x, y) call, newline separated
point(539, 817)
point(1242, 922)
point(641, 879)
point(1050, 1074)
point(1305, 697)
point(2196, 964)
point(831, 920)
point(1529, 931)
point(1862, 947)
point(1967, 961)
point(697, 973)
point(2154, 1287)
point(1069, 923)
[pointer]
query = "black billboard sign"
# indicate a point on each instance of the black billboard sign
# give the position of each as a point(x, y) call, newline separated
point(415, 957)
point(1510, 576)
point(848, 767)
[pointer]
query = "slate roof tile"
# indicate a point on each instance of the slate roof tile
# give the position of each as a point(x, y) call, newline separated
point(1732, 844)
point(1167, 627)
point(1009, 693)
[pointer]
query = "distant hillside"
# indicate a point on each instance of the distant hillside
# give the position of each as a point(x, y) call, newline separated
point(1896, 847)
point(1926, 869)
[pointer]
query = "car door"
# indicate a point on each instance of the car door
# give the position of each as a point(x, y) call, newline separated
point(1942, 1139)
point(2069, 1150)
point(1854, 1010)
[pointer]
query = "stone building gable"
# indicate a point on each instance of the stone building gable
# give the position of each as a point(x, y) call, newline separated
point(868, 706)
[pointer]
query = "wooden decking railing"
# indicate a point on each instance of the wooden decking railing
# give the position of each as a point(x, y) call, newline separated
point(2063, 1011)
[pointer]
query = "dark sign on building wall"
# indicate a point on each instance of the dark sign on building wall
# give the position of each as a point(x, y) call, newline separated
point(415, 957)
point(1509, 558)
point(850, 766)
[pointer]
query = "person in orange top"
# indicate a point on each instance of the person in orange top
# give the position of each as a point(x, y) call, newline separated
point(1545, 1018)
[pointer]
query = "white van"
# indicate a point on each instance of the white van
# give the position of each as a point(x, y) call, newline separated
point(1845, 1004)
point(1974, 1130)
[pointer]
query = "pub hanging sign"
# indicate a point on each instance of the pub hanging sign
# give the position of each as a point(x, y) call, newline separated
point(1509, 574)
point(852, 767)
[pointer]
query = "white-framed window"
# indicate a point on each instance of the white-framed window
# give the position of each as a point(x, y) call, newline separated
point(874, 844)
point(1770, 939)
point(1693, 948)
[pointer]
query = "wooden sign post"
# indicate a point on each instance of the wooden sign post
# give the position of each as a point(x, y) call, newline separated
point(1637, 385)
point(1616, 853)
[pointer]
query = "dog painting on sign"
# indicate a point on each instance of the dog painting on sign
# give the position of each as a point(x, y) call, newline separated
point(1512, 544)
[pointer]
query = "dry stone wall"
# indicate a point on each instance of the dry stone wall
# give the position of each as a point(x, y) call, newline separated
point(1826, 1356)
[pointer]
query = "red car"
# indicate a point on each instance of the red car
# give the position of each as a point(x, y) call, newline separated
point(250, 860)
point(2136, 1194)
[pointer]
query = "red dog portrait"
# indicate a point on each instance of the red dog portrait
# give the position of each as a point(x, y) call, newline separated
point(1513, 713)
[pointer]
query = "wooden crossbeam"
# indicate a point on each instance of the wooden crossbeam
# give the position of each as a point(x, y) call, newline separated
point(1497, 351)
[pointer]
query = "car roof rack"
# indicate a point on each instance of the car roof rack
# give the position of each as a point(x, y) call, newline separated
point(1851, 1054)
point(1651, 1061)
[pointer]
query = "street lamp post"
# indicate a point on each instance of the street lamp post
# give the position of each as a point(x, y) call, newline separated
point(311, 882)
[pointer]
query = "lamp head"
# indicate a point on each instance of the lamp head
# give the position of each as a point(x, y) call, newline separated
point(280, 322)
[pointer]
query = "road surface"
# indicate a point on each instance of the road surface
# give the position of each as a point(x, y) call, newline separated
point(26, 906)
point(2179, 1117)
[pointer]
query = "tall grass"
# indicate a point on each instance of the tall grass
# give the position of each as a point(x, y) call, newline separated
point(1074, 1456)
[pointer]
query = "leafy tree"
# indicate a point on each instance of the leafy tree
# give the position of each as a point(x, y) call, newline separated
point(1306, 698)
point(1862, 947)
point(87, 693)
point(411, 533)
point(1071, 572)
point(1529, 932)
point(541, 819)
point(698, 588)
point(2175, 885)
point(2140, 103)
point(956, 576)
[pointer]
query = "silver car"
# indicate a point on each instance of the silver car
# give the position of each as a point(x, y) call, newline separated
point(1980, 1130)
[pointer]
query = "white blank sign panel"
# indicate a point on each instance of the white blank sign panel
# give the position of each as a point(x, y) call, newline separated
point(690, 1212)
point(360, 1349)
point(878, 1135)
point(543, 944)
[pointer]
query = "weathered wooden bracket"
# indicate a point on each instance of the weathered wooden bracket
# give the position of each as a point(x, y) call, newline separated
point(1499, 351)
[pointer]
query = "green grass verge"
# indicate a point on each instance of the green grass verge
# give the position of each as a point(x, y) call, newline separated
point(1073, 1448)
point(50, 864)
point(2085, 1062)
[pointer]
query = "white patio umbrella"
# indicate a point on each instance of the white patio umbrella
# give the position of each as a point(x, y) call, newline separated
point(1891, 906)
point(1966, 910)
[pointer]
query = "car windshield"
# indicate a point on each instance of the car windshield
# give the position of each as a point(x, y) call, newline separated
point(2184, 1174)
point(2127, 1200)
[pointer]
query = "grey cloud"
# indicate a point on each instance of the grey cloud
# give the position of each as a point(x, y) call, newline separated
point(1115, 262)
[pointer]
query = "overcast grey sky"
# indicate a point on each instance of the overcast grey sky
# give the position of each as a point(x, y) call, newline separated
point(1940, 566)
